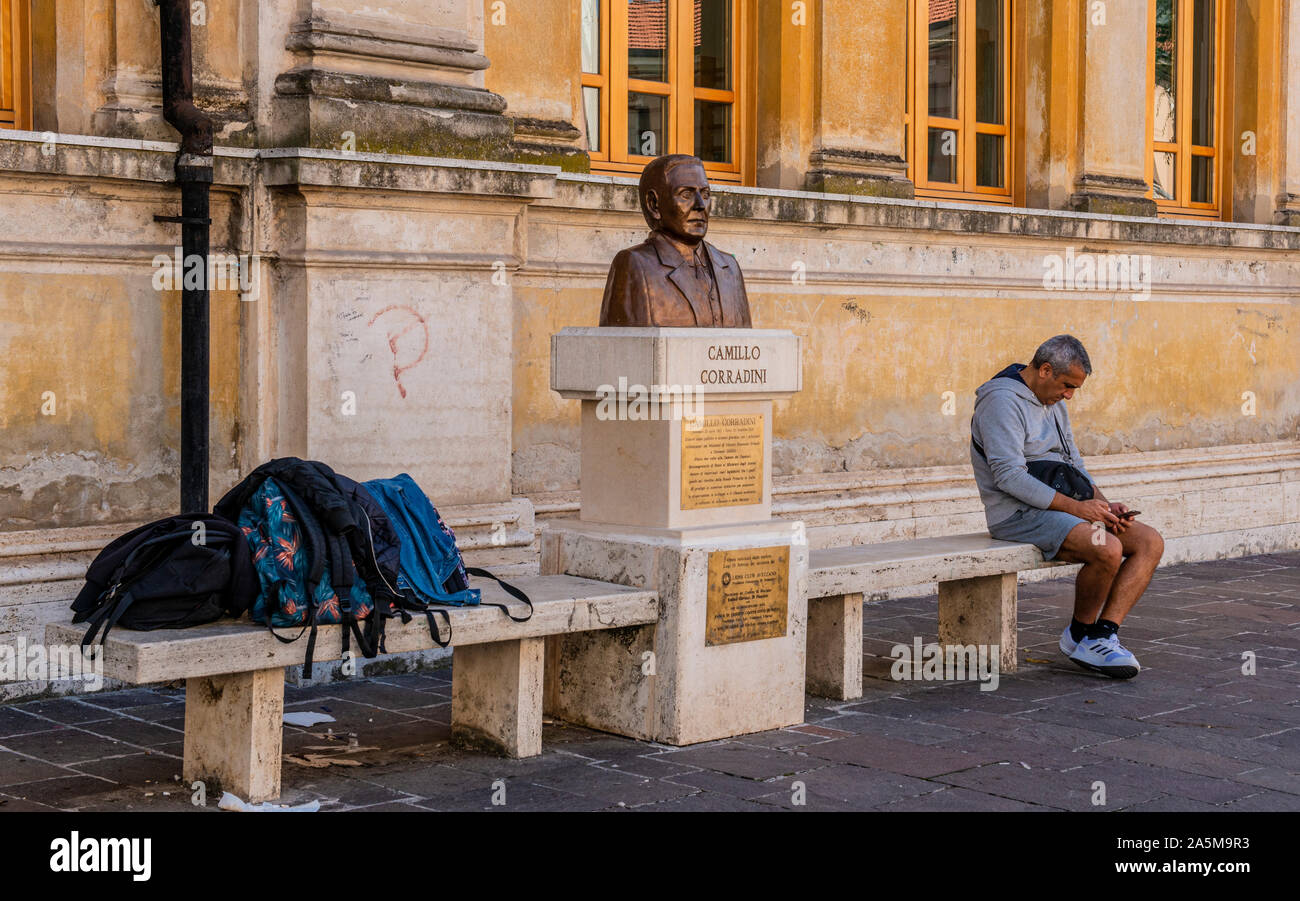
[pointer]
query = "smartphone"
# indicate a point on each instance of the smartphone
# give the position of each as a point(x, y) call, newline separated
point(1129, 514)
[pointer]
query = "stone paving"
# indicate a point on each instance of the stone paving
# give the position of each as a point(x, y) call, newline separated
point(1192, 732)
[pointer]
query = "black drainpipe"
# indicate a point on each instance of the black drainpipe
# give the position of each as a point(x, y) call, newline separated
point(194, 176)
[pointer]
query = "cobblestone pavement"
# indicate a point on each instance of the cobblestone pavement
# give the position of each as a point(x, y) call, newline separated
point(1191, 732)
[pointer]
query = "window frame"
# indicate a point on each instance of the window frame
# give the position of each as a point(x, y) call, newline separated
point(965, 124)
point(15, 66)
point(1182, 206)
point(614, 83)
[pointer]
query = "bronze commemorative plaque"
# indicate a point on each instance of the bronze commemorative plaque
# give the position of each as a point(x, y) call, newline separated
point(722, 461)
point(748, 595)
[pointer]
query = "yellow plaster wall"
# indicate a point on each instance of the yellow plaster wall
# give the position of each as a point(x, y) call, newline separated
point(108, 348)
point(535, 58)
point(1166, 374)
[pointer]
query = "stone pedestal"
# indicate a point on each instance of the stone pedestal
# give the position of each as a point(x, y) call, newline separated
point(677, 497)
point(676, 422)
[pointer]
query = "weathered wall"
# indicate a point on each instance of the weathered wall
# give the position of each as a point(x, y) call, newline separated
point(89, 349)
point(906, 301)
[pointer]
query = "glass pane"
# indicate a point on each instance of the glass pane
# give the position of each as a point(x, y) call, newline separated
point(591, 106)
point(647, 124)
point(1166, 51)
point(988, 161)
point(1202, 179)
point(943, 58)
point(713, 44)
point(647, 39)
point(943, 155)
point(1203, 75)
point(591, 36)
point(1165, 175)
point(988, 60)
point(713, 131)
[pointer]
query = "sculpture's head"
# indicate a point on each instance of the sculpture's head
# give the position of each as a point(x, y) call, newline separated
point(675, 197)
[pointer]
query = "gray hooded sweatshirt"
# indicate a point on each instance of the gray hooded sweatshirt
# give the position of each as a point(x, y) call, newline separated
point(1015, 429)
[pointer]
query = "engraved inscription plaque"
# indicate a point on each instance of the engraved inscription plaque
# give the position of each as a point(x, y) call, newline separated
point(748, 595)
point(722, 461)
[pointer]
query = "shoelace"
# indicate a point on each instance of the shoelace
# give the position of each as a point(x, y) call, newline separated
point(1106, 647)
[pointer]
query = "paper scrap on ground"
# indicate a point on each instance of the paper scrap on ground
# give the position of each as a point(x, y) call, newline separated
point(307, 718)
point(232, 802)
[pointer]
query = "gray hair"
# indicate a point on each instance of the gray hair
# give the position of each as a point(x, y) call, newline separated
point(1062, 353)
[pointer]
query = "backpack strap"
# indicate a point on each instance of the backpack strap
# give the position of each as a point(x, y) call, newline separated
point(410, 600)
point(122, 605)
point(433, 626)
point(376, 631)
point(365, 640)
point(510, 590)
point(106, 616)
point(309, 623)
point(311, 640)
point(318, 550)
point(340, 554)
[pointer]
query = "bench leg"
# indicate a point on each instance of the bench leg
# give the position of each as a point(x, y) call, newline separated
point(234, 731)
point(980, 611)
point(835, 647)
point(496, 696)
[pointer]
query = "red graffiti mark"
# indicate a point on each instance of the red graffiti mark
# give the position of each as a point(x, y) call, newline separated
point(407, 321)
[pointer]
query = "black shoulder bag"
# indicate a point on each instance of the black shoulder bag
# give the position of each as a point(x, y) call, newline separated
point(1062, 477)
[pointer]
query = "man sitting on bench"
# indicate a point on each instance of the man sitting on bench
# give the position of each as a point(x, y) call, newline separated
point(1019, 420)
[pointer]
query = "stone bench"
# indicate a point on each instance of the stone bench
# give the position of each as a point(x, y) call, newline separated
point(234, 672)
point(977, 598)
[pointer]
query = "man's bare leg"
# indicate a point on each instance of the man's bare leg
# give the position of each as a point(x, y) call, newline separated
point(1102, 559)
point(1143, 548)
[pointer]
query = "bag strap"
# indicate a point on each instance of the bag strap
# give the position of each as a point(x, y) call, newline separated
point(510, 590)
point(106, 616)
point(365, 640)
point(309, 623)
point(433, 626)
point(409, 600)
point(311, 643)
point(1065, 447)
point(317, 547)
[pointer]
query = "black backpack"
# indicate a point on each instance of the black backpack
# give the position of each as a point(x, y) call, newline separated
point(168, 574)
point(345, 532)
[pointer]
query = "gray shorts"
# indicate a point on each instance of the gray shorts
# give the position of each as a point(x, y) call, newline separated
point(1045, 528)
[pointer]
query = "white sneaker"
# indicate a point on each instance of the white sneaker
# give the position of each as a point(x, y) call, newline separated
point(1106, 656)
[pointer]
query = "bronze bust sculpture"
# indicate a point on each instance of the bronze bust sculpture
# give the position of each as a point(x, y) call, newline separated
point(675, 278)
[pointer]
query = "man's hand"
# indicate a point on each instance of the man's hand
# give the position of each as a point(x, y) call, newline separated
point(1096, 510)
point(1122, 524)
